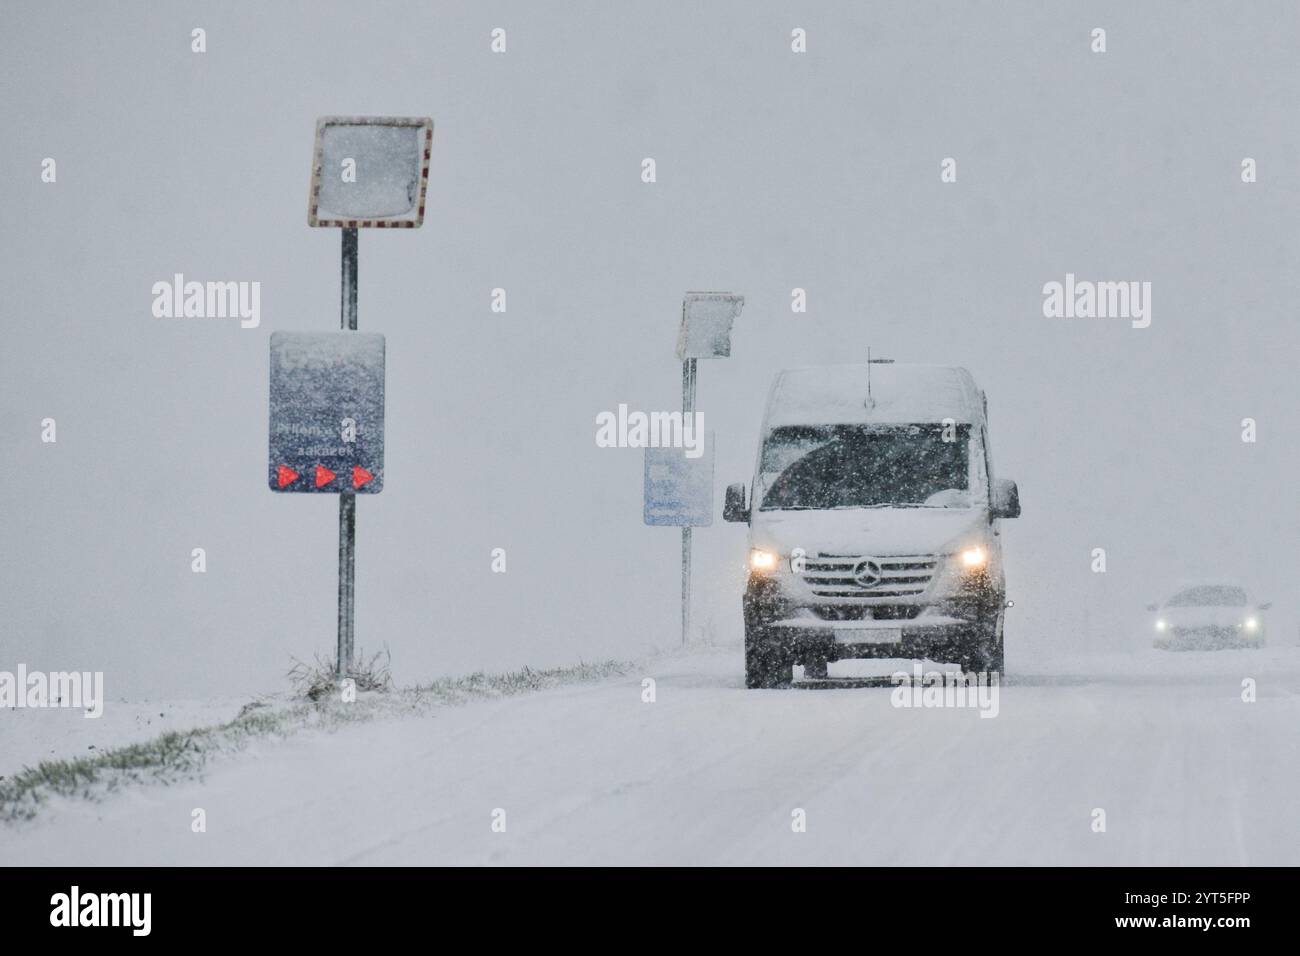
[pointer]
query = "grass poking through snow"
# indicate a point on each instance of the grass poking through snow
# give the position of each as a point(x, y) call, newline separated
point(318, 680)
point(177, 756)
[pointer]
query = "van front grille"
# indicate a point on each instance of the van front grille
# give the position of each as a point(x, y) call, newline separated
point(867, 612)
point(865, 576)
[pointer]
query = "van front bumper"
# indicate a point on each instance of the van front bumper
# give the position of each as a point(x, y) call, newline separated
point(925, 636)
point(938, 627)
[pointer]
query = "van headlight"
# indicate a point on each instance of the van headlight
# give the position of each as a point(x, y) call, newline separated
point(1161, 625)
point(1251, 624)
point(760, 560)
point(973, 558)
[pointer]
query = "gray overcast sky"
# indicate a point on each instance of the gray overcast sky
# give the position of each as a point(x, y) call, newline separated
point(775, 170)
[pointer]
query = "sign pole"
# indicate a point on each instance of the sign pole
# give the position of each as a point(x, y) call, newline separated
point(348, 304)
point(347, 501)
point(688, 407)
point(678, 488)
point(326, 384)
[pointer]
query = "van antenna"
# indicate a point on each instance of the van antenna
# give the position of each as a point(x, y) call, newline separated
point(870, 402)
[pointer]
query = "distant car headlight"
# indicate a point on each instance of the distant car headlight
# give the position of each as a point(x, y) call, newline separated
point(1251, 624)
point(974, 557)
point(1161, 625)
point(762, 560)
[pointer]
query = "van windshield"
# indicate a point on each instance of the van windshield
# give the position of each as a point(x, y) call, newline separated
point(866, 466)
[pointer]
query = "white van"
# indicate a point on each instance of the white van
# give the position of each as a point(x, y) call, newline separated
point(873, 522)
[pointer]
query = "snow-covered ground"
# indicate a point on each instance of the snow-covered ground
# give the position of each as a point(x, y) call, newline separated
point(1186, 772)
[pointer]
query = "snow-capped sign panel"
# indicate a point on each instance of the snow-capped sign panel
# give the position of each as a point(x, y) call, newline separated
point(679, 490)
point(327, 413)
point(706, 324)
point(370, 171)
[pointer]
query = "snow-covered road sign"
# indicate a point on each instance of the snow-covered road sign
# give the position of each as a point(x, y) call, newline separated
point(707, 317)
point(679, 490)
point(370, 171)
point(327, 412)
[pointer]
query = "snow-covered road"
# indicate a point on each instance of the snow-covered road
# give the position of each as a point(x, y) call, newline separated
point(1186, 772)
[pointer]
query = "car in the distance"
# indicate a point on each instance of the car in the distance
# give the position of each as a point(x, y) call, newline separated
point(1209, 617)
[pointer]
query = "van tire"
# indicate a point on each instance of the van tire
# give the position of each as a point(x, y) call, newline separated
point(985, 652)
point(992, 659)
point(766, 664)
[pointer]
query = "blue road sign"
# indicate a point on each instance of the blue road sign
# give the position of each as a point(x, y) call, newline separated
point(327, 413)
point(679, 490)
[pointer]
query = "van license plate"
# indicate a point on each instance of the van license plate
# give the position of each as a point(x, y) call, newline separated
point(868, 635)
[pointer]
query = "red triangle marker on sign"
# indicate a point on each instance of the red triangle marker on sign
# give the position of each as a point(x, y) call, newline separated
point(287, 476)
point(360, 477)
point(323, 476)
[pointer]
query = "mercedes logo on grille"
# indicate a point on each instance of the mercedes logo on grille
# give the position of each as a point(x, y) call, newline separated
point(867, 573)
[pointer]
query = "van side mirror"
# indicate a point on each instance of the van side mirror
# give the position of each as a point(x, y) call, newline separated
point(1006, 499)
point(1153, 608)
point(1266, 605)
point(733, 505)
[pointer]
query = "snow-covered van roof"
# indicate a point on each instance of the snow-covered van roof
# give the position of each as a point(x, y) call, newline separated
point(902, 394)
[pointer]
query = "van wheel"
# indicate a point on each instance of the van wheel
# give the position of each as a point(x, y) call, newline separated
point(991, 662)
point(766, 664)
point(985, 652)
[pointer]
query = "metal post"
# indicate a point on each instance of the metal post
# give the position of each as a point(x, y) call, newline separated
point(347, 565)
point(347, 501)
point(348, 302)
point(688, 407)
